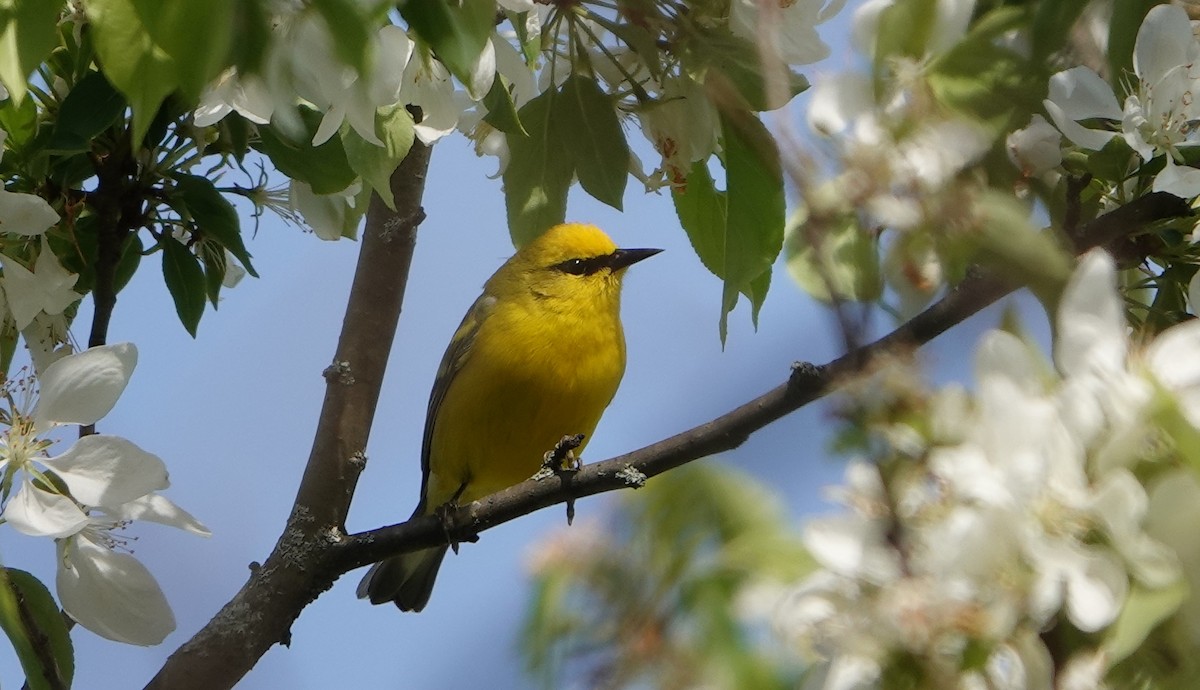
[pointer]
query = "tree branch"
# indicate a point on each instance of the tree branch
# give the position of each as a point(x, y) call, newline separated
point(806, 383)
point(313, 551)
point(261, 614)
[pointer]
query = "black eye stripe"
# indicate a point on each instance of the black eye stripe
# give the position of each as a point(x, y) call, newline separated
point(584, 267)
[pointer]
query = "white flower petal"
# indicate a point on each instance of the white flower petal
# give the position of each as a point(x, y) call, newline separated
point(156, 508)
point(25, 214)
point(1174, 356)
point(112, 594)
point(83, 387)
point(1095, 591)
point(1164, 41)
point(1091, 319)
point(1082, 95)
point(1181, 180)
point(483, 72)
point(1035, 148)
point(39, 513)
point(106, 471)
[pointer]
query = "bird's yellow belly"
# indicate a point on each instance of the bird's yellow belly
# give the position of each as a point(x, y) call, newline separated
point(544, 395)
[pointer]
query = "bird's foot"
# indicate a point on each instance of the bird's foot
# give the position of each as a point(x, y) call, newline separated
point(560, 461)
point(444, 514)
point(562, 458)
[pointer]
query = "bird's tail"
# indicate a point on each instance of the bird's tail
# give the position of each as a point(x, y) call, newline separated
point(406, 579)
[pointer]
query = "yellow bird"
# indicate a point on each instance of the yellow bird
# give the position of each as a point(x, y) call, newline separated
point(538, 356)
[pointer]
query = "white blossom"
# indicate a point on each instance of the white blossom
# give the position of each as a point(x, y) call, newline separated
point(1158, 117)
point(109, 481)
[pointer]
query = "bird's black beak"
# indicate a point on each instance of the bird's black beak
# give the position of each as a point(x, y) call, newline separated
point(623, 258)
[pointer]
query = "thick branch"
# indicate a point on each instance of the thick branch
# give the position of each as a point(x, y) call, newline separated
point(261, 614)
point(806, 384)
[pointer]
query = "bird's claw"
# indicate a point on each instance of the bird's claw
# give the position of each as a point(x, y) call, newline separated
point(443, 513)
point(562, 458)
point(560, 461)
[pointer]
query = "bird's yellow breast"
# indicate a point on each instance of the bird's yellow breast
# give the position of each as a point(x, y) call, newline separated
point(534, 374)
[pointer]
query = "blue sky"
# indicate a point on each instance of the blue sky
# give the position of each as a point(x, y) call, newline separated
point(232, 414)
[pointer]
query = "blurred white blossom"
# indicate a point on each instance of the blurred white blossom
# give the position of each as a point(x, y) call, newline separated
point(1027, 511)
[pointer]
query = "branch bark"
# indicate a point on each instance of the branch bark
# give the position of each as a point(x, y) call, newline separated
point(261, 613)
point(314, 551)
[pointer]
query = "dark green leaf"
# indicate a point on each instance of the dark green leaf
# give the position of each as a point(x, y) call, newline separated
point(252, 37)
point(502, 112)
point(350, 29)
point(9, 335)
point(1127, 16)
point(592, 136)
point(735, 58)
point(323, 167)
point(1052, 22)
point(20, 122)
point(215, 265)
point(33, 623)
point(91, 107)
point(28, 32)
point(754, 186)
point(538, 173)
point(455, 30)
point(215, 217)
point(139, 68)
point(375, 164)
point(198, 56)
point(185, 282)
point(127, 265)
point(76, 247)
point(702, 210)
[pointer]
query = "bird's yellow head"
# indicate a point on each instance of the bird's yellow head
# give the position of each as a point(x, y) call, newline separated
point(572, 261)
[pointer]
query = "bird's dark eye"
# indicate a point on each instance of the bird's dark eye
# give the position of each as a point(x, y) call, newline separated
point(582, 267)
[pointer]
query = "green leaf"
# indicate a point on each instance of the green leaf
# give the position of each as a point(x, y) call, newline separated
point(30, 618)
point(842, 262)
point(718, 50)
point(323, 167)
point(215, 217)
point(9, 335)
point(28, 32)
point(909, 25)
point(131, 60)
point(350, 28)
point(1127, 16)
point(215, 264)
point(593, 138)
point(1144, 609)
point(455, 30)
point(538, 174)
point(375, 164)
point(502, 112)
point(1052, 23)
point(1006, 239)
point(198, 55)
point(91, 107)
point(185, 282)
point(702, 212)
point(127, 265)
point(754, 185)
point(987, 82)
point(20, 121)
